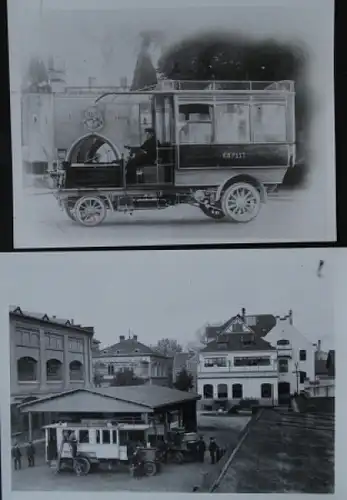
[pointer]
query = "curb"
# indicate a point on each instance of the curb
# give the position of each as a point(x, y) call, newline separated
point(242, 438)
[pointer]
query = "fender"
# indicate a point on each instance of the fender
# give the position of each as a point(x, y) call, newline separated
point(242, 178)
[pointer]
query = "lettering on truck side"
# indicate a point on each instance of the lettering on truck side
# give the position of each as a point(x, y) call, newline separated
point(234, 156)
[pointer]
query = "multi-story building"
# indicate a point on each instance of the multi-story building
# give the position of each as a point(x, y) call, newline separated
point(48, 355)
point(245, 359)
point(296, 356)
point(237, 365)
point(129, 353)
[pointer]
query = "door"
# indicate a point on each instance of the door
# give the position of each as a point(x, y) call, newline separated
point(283, 393)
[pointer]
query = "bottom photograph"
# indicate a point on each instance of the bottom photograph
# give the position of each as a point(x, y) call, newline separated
point(172, 371)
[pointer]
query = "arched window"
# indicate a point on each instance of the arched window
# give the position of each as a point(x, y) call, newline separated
point(266, 390)
point(27, 369)
point(76, 370)
point(222, 391)
point(54, 370)
point(237, 391)
point(208, 391)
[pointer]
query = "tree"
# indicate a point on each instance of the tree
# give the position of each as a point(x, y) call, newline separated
point(168, 347)
point(38, 79)
point(126, 377)
point(211, 56)
point(184, 381)
point(144, 73)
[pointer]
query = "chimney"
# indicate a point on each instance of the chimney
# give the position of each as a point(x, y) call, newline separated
point(121, 337)
point(319, 346)
point(290, 316)
point(72, 321)
point(134, 337)
point(243, 313)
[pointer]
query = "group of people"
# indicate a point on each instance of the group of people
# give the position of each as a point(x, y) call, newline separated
point(17, 455)
point(213, 450)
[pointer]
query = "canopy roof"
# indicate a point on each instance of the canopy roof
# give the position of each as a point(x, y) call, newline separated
point(130, 399)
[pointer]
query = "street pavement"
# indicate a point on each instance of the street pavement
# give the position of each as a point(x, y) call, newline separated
point(173, 478)
point(292, 215)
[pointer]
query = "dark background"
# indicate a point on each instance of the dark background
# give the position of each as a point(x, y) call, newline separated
point(6, 206)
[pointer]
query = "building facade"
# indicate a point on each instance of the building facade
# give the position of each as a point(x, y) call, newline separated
point(130, 354)
point(246, 359)
point(48, 355)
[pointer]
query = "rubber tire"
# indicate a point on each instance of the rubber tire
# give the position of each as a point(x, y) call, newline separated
point(103, 214)
point(150, 469)
point(68, 210)
point(229, 190)
point(84, 468)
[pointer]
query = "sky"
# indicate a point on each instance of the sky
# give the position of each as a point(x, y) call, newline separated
point(171, 294)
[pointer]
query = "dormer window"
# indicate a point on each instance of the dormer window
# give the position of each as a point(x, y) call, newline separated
point(283, 342)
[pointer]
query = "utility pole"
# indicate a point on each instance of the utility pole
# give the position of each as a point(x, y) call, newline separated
point(297, 373)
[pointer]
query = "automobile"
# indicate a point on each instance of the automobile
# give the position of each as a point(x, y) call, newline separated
point(219, 146)
point(97, 444)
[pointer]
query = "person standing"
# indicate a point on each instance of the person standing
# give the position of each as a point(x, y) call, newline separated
point(17, 457)
point(201, 449)
point(213, 450)
point(73, 444)
point(31, 454)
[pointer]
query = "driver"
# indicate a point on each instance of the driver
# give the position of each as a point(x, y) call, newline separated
point(146, 156)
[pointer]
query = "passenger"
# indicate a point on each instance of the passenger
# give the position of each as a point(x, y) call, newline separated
point(213, 447)
point(201, 449)
point(146, 156)
point(30, 449)
point(73, 444)
point(17, 457)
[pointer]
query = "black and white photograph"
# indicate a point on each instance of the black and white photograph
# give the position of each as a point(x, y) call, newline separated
point(191, 378)
point(164, 123)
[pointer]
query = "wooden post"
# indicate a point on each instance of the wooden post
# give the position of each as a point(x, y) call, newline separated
point(30, 425)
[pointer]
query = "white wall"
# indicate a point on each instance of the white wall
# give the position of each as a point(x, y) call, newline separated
point(230, 368)
point(251, 386)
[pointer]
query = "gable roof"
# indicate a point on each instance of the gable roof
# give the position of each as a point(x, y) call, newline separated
point(263, 324)
point(238, 342)
point(127, 347)
point(131, 398)
point(16, 311)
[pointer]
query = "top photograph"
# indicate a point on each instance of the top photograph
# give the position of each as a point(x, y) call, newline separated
point(172, 123)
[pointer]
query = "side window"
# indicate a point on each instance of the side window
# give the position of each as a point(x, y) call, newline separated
point(106, 437)
point(98, 437)
point(269, 123)
point(84, 436)
point(232, 124)
point(195, 124)
point(302, 355)
point(123, 438)
point(114, 437)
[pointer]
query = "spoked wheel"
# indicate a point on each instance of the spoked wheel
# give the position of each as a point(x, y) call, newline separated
point(69, 207)
point(90, 211)
point(241, 202)
point(213, 213)
point(81, 466)
point(150, 469)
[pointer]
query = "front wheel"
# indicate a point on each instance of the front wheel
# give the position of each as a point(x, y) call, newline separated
point(150, 469)
point(241, 202)
point(212, 212)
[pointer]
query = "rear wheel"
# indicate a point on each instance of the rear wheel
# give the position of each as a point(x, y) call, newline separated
point(81, 466)
point(69, 207)
point(90, 211)
point(241, 202)
point(150, 468)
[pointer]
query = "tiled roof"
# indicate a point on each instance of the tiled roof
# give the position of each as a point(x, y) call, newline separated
point(127, 347)
point(18, 312)
point(238, 342)
point(264, 323)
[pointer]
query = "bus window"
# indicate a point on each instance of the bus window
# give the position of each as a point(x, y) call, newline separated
point(123, 438)
point(269, 122)
point(84, 436)
point(98, 436)
point(106, 438)
point(232, 124)
point(195, 124)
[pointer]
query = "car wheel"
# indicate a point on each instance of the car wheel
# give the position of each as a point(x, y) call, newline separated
point(241, 202)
